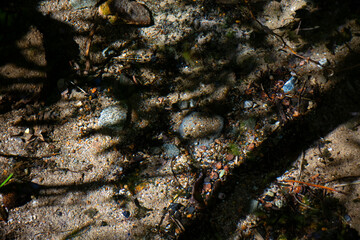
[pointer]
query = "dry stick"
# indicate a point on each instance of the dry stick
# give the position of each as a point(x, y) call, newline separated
point(313, 185)
point(301, 168)
point(346, 184)
point(87, 51)
point(298, 28)
point(174, 174)
point(301, 92)
point(167, 209)
point(349, 68)
point(286, 46)
point(303, 204)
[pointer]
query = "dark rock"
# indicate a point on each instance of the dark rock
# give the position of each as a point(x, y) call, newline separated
point(16, 194)
point(78, 4)
point(129, 12)
point(126, 214)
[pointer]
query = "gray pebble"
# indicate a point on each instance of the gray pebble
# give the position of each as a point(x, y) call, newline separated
point(78, 4)
point(199, 125)
point(248, 104)
point(113, 117)
point(170, 150)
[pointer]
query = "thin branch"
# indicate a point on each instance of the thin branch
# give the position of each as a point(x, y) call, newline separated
point(285, 45)
point(313, 185)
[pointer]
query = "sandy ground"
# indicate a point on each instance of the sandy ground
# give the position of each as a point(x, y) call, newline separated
point(121, 184)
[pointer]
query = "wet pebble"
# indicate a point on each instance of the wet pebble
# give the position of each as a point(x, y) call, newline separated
point(207, 187)
point(113, 117)
point(78, 4)
point(129, 12)
point(289, 85)
point(230, 157)
point(126, 214)
point(251, 146)
point(190, 209)
point(214, 175)
point(17, 194)
point(3, 214)
point(347, 218)
point(248, 104)
point(199, 125)
point(222, 173)
point(218, 165)
point(221, 196)
point(170, 150)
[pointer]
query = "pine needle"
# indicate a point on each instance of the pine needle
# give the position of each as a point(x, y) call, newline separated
point(314, 185)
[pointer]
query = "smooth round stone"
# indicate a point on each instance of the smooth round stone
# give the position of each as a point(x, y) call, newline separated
point(113, 117)
point(79, 4)
point(200, 125)
point(170, 150)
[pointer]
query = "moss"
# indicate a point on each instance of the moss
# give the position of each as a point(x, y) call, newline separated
point(234, 149)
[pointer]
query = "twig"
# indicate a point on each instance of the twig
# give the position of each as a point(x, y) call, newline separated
point(174, 174)
point(348, 183)
point(285, 45)
point(87, 50)
point(178, 223)
point(298, 28)
point(166, 212)
point(6, 180)
point(300, 95)
point(314, 185)
point(303, 204)
point(301, 164)
point(78, 87)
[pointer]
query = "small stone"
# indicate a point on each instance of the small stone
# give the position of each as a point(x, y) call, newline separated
point(289, 85)
point(248, 104)
point(199, 125)
point(190, 209)
point(183, 105)
point(222, 173)
point(113, 117)
point(218, 165)
point(126, 214)
point(230, 157)
point(347, 218)
point(78, 4)
point(78, 104)
point(323, 63)
point(129, 12)
point(170, 150)
point(221, 196)
point(227, 2)
point(16, 194)
point(251, 146)
point(207, 187)
point(254, 205)
point(91, 212)
point(279, 203)
point(3, 214)
point(214, 175)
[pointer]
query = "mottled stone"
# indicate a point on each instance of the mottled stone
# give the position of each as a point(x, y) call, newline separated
point(129, 12)
point(78, 4)
point(170, 150)
point(113, 117)
point(200, 125)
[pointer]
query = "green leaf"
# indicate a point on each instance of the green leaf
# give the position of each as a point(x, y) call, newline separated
point(6, 180)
